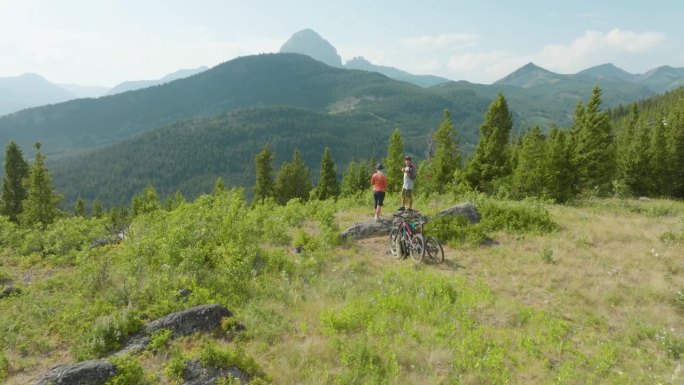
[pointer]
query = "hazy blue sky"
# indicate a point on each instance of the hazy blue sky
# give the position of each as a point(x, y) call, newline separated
point(105, 42)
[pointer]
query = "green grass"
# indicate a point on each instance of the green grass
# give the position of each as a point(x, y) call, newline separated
point(588, 293)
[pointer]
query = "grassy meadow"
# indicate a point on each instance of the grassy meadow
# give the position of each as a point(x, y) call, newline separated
point(536, 293)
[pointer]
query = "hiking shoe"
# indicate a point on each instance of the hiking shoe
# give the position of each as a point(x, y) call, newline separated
point(401, 208)
point(377, 219)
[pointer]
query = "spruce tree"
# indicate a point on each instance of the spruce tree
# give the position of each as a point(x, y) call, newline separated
point(13, 189)
point(293, 180)
point(40, 206)
point(561, 171)
point(98, 210)
point(492, 160)
point(531, 176)
point(263, 188)
point(659, 160)
point(394, 162)
point(675, 151)
point(634, 156)
point(328, 186)
point(79, 208)
point(594, 147)
point(440, 169)
point(146, 202)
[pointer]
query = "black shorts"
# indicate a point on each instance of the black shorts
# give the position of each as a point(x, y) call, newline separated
point(379, 197)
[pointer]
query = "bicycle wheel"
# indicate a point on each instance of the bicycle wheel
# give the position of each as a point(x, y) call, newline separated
point(417, 247)
point(434, 250)
point(395, 243)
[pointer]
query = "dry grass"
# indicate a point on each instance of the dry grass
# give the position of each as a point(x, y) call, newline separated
point(605, 273)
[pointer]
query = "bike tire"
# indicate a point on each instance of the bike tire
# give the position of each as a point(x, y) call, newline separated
point(417, 249)
point(395, 243)
point(434, 250)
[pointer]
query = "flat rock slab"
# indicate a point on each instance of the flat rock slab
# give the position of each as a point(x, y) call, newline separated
point(95, 372)
point(371, 228)
point(185, 322)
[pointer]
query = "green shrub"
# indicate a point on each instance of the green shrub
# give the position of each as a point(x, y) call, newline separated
point(4, 366)
point(213, 356)
point(160, 339)
point(128, 371)
point(109, 332)
point(456, 230)
point(176, 365)
point(527, 216)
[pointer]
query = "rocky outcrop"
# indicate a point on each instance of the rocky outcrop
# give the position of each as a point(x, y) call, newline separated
point(466, 209)
point(182, 323)
point(196, 374)
point(368, 229)
point(371, 228)
point(95, 372)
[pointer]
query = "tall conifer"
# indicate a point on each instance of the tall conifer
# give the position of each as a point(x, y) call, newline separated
point(13, 189)
point(293, 180)
point(263, 188)
point(439, 170)
point(328, 186)
point(394, 162)
point(40, 206)
point(594, 147)
point(492, 160)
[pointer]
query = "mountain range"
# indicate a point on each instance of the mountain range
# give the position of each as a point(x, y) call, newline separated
point(33, 90)
point(182, 134)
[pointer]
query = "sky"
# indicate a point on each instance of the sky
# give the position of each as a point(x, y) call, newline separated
point(106, 42)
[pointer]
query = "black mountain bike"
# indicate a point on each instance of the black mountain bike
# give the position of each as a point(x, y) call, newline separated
point(406, 239)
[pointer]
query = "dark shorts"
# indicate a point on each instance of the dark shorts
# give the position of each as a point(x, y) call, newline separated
point(407, 193)
point(379, 197)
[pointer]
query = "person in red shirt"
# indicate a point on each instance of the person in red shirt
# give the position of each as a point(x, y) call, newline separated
point(379, 184)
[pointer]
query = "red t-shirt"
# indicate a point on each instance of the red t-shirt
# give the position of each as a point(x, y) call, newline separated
point(379, 182)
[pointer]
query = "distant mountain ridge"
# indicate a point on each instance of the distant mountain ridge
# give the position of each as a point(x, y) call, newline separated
point(29, 90)
point(138, 84)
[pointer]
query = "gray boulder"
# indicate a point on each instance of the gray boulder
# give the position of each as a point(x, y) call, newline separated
point(368, 229)
point(93, 372)
point(371, 228)
point(196, 374)
point(466, 209)
point(185, 322)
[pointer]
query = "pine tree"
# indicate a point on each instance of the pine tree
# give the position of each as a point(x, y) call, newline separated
point(438, 172)
point(264, 188)
point(675, 151)
point(328, 186)
point(561, 171)
point(13, 189)
point(40, 206)
point(79, 208)
point(594, 147)
point(98, 210)
point(146, 202)
point(531, 175)
point(394, 162)
point(293, 180)
point(634, 156)
point(659, 160)
point(491, 159)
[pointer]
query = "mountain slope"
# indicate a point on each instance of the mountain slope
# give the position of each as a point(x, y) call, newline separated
point(269, 79)
point(29, 90)
point(609, 70)
point(360, 63)
point(188, 156)
point(138, 84)
point(662, 79)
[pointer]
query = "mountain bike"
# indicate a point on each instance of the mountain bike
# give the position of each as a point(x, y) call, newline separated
point(434, 250)
point(406, 238)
